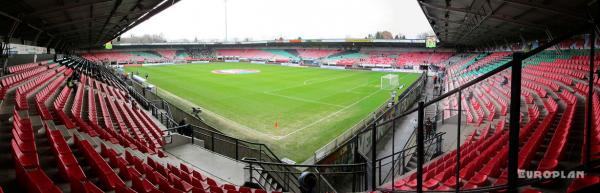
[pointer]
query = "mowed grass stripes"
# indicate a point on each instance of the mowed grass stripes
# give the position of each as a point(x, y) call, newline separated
point(310, 105)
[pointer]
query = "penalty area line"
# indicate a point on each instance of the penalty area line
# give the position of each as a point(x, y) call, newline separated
point(326, 117)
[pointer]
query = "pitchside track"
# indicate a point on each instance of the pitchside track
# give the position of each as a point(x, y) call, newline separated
point(293, 110)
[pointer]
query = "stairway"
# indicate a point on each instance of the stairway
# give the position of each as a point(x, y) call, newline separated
point(429, 112)
point(428, 94)
point(267, 182)
point(7, 170)
point(574, 142)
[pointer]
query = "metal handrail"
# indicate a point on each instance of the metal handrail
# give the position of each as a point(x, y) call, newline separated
point(380, 119)
point(411, 147)
point(287, 174)
point(522, 182)
point(462, 87)
point(401, 160)
point(302, 165)
point(170, 121)
point(365, 123)
point(476, 80)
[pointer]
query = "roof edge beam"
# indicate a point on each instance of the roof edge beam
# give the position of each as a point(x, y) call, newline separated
point(461, 10)
point(545, 8)
point(65, 7)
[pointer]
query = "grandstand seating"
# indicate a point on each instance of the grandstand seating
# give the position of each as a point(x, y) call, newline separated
point(128, 57)
point(113, 56)
point(551, 83)
point(418, 58)
point(389, 58)
point(337, 57)
point(100, 118)
point(315, 53)
point(100, 108)
point(252, 54)
point(169, 54)
point(25, 67)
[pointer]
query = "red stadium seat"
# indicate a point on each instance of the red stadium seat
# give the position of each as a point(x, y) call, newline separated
point(39, 182)
point(582, 183)
point(139, 184)
point(180, 184)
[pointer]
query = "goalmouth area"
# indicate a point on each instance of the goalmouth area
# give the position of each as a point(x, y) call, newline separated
point(295, 111)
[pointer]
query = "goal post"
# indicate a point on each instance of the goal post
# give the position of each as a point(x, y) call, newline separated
point(389, 82)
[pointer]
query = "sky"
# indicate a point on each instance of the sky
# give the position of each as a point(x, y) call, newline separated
point(290, 19)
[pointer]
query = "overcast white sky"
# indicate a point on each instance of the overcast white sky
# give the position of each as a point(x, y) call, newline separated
point(269, 19)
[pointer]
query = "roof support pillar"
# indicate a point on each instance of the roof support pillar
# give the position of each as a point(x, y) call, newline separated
point(6, 45)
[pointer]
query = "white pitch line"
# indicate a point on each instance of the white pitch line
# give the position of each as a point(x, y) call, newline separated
point(306, 82)
point(334, 113)
point(238, 126)
point(326, 117)
point(359, 86)
point(301, 99)
point(369, 82)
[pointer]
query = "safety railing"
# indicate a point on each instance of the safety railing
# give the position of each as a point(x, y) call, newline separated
point(228, 146)
point(353, 174)
point(391, 166)
point(404, 100)
point(213, 140)
point(371, 133)
point(514, 127)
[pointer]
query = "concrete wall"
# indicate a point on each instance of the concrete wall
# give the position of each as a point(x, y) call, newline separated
point(27, 58)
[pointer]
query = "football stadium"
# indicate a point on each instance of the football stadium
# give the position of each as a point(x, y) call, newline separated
point(267, 96)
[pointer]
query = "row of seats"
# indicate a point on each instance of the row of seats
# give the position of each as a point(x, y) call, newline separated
point(541, 81)
point(376, 57)
point(554, 151)
point(418, 58)
point(545, 80)
point(316, 53)
point(136, 128)
point(251, 54)
point(59, 105)
point(130, 131)
point(595, 139)
point(564, 67)
point(120, 57)
point(26, 89)
point(438, 175)
point(149, 176)
point(169, 54)
point(33, 178)
point(108, 179)
point(541, 72)
point(68, 166)
point(487, 60)
point(15, 79)
point(26, 160)
point(25, 67)
point(397, 59)
point(42, 97)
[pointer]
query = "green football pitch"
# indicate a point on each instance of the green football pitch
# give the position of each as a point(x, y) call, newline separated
point(295, 111)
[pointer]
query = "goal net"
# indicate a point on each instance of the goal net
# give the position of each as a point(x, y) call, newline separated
point(389, 81)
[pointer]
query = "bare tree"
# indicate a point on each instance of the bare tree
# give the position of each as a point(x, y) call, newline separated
point(384, 35)
point(387, 35)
